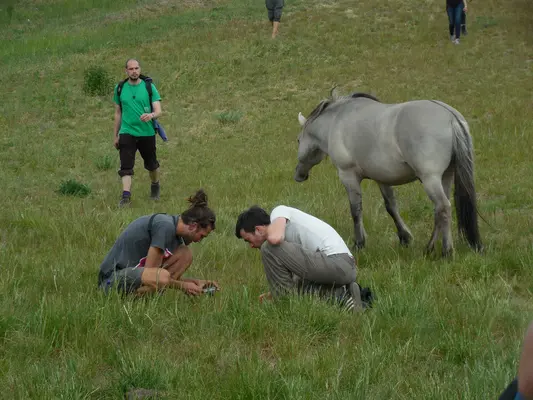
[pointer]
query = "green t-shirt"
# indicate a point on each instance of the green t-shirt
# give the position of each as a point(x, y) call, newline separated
point(135, 102)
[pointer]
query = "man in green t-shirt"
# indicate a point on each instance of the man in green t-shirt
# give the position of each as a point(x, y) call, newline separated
point(134, 129)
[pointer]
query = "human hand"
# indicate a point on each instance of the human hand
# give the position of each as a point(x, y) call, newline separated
point(265, 296)
point(208, 283)
point(147, 117)
point(191, 288)
point(115, 142)
point(465, 9)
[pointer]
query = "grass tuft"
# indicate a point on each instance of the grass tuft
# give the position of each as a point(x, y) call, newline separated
point(71, 187)
point(96, 81)
point(229, 117)
point(104, 163)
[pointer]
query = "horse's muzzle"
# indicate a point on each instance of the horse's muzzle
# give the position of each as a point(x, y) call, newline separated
point(299, 176)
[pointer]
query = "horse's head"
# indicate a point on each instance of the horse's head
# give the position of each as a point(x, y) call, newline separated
point(309, 152)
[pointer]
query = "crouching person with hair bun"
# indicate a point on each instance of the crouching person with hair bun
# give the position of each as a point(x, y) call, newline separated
point(152, 253)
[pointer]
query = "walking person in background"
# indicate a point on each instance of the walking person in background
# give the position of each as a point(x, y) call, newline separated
point(455, 8)
point(275, 8)
point(135, 108)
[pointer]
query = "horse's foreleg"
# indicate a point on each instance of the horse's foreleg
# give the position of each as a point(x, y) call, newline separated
point(352, 183)
point(443, 214)
point(404, 234)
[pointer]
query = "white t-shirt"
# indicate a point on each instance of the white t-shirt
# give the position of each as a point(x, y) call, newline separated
point(310, 232)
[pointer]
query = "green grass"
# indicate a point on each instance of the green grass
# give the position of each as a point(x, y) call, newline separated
point(443, 329)
point(74, 188)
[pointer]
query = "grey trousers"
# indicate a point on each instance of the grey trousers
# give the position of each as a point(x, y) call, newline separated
point(289, 266)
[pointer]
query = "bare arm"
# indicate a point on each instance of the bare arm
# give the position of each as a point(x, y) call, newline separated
point(525, 368)
point(154, 259)
point(156, 106)
point(276, 231)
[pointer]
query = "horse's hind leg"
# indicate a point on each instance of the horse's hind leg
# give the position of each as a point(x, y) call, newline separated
point(404, 234)
point(447, 181)
point(443, 214)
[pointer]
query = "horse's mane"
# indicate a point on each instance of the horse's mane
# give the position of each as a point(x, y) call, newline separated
point(357, 95)
point(318, 110)
point(325, 103)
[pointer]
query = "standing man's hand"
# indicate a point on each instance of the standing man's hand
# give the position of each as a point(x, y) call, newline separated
point(115, 142)
point(147, 117)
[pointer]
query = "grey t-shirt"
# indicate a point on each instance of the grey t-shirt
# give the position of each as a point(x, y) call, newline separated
point(133, 243)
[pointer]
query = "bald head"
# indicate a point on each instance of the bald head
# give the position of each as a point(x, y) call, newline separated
point(133, 69)
point(132, 60)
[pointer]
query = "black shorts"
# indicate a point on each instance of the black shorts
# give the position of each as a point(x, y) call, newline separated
point(128, 146)
point(274, 8)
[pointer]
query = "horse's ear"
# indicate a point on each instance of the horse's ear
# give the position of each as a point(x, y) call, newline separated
point(333, 93)
point(301, 119)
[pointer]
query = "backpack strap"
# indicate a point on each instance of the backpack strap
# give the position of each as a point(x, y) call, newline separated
point(119, 91)
point(151, 223)
point(148, 82)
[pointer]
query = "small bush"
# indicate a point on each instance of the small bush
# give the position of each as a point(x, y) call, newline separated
point(104, 163)
point(229, 117)
point(97, 81)
point(72, 187)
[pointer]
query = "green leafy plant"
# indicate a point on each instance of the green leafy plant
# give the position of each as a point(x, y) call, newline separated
point(96, 81)
point(71, 187)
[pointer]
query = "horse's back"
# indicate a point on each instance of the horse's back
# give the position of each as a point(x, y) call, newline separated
point(395, 142)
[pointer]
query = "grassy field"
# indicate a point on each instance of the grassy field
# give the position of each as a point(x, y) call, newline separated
point(440, 329)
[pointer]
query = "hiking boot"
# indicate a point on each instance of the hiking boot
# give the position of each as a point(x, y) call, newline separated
point(155, 191)
point(357, 298)
point(367, 297)
point(124, 201)
point(345, 299)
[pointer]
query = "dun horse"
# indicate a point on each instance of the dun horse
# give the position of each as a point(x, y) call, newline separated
point(395, 144)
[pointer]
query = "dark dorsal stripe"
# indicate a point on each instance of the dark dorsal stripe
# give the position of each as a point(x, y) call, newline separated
point(357, 95)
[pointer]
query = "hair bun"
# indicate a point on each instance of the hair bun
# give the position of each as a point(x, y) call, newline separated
point(199, 199)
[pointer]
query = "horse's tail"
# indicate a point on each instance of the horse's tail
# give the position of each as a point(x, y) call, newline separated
point(465, 191)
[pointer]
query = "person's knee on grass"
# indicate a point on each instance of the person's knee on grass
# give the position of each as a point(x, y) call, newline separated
point(296, 247)
point(152, 254)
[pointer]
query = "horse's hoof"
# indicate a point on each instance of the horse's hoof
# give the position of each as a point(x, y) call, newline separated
point(447, 253)
point(405, 241)
point(359, 246)
point(429, 250)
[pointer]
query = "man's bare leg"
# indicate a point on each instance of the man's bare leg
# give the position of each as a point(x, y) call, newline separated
point(157, 279)
point(153, 279)
point(178, 262)
point(275, 27)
